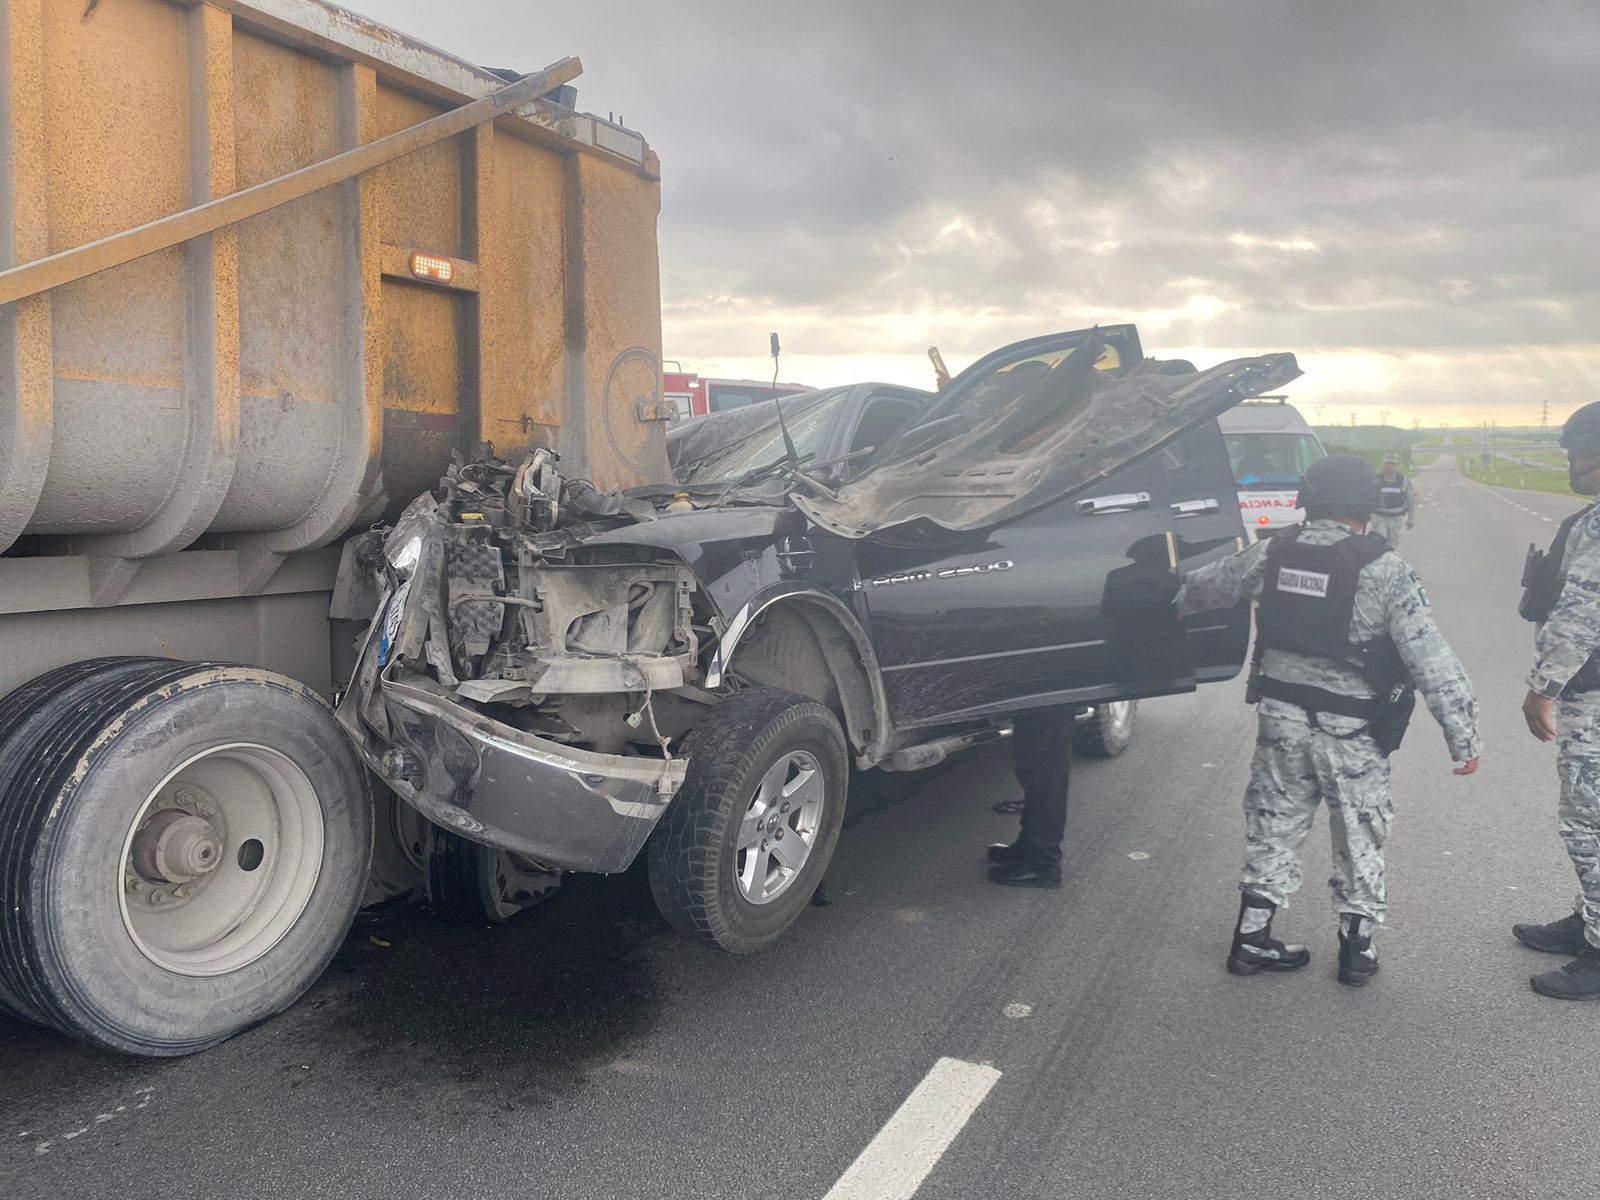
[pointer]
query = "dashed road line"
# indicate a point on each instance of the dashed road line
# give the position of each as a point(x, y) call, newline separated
point(906, 1150)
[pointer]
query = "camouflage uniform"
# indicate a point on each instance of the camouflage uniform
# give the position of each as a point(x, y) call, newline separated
point(1296, 766)
point(1389, 526)
point(1562, 645)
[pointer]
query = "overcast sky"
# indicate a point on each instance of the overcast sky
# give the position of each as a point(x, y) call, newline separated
point(1403, 194)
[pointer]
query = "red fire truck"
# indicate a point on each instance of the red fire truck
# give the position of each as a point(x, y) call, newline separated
point(695, 396)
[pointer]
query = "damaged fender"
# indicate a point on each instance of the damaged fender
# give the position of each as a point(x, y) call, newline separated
point(859, 680)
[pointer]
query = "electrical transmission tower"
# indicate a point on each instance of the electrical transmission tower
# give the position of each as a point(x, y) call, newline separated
point(1383, 416)
point(1544, 415)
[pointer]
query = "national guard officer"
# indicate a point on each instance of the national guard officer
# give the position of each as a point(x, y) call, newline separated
point(1343, 633)
point(1563, 706)
point(1397, 503)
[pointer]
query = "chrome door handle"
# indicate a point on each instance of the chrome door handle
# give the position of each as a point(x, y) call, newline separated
point(1194, 508)
point(1099, 506)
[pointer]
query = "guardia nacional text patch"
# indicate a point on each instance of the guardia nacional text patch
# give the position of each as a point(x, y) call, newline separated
point(1303, 583)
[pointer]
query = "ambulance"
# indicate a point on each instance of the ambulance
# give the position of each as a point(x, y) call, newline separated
point(1270, 446)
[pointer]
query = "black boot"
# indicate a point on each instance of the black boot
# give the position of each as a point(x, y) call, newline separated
point(1578, 980)
point(1358, 961)
point(1007, 852)
point(1558, 937)
point(1259, 950)
point(1025, 872)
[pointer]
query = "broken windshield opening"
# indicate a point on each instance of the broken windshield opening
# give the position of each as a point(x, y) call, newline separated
point(808, 417)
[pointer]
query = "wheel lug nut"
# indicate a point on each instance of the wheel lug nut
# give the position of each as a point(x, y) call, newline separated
point(778, 836)
point(785, 807)
point(158, 897)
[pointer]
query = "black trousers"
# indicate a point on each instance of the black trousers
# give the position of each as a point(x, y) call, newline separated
point(1041, 750)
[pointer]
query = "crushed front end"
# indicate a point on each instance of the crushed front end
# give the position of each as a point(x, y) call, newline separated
point(509, 682)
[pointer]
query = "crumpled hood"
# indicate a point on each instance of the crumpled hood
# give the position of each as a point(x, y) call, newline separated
point(681, 531)
point(1069, 431)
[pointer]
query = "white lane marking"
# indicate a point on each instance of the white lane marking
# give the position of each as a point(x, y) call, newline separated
point(1138, 855)
point(1514, 504)
point(1017, 1011)
point(895, 1163)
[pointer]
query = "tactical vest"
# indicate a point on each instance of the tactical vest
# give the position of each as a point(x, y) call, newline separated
point(1543, 579)
point(1307, 601)
point(1393, 497)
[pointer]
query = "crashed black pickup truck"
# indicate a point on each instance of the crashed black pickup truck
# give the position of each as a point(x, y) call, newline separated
point(687, 670)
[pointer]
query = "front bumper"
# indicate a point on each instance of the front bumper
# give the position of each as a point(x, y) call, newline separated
point(497, 785)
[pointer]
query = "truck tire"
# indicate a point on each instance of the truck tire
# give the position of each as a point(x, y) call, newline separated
point(14, 712)
point(475, 885)
point(182, 848)
point(1109, 731)
point(768, 771)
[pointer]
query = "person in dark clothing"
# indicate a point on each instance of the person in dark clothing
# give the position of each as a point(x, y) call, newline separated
point(1041, 751)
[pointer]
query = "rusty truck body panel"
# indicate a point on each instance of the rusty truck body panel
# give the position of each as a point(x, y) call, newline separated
point(185, 437)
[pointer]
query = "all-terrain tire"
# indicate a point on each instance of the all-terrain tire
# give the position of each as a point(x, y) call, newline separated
point(87, 753)
point(1109, 731)
point(693, 852)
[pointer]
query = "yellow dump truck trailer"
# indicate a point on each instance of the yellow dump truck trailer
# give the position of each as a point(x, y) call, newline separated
point(264, 265)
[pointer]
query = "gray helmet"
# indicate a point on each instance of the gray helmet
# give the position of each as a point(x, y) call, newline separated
point(1339, 481)
point(1391, 457)
point(1581, 433)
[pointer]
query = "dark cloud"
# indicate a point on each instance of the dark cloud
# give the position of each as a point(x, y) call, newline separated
point(1355, 178)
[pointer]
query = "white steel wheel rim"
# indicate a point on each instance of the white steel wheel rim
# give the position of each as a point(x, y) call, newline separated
point(780, 826)
point(221, 860)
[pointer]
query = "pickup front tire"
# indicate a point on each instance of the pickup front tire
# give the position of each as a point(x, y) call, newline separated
point(748, 837)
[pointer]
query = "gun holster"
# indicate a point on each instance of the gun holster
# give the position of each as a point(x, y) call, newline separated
point(1392, 716)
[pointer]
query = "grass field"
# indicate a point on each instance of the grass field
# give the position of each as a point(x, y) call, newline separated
point(1502, 472)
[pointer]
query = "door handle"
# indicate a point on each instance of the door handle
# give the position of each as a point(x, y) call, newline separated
point(1195, 508)
point(1100, 506)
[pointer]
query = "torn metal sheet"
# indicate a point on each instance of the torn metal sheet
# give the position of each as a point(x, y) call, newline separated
point(1002, 454)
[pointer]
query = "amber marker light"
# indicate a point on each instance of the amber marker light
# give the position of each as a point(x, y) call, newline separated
point(433, 268)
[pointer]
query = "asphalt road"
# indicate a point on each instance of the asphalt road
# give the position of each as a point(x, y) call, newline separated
point(586, 1051)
